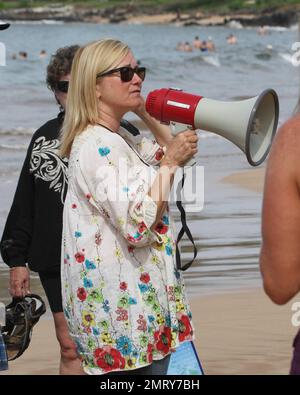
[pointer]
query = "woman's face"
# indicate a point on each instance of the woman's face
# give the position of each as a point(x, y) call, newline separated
point(119, 96)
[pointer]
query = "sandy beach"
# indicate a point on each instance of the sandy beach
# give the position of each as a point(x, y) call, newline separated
point(236, 333)
point(239, 332)
point(252, 179)
point(243, 333)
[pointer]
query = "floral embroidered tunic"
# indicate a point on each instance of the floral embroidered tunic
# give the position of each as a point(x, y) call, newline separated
point(123, 298)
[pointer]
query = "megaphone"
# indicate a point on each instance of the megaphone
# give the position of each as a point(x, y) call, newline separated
point(250, 124)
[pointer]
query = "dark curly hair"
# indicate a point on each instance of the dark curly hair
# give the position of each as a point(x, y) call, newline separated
point(60, 65)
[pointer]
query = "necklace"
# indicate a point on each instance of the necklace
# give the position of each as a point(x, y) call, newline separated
point(105, 127)
point(138, 155)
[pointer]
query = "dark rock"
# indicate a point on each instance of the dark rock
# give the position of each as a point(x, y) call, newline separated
point(117, 18)
point(281, 18)
point(191, 23)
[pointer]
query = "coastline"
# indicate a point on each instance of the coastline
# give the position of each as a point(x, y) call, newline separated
point(284, 16)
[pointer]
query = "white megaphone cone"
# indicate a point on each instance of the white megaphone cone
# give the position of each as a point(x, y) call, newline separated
point(250, 124)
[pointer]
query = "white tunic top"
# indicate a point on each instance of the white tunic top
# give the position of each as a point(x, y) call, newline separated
point(123, 298)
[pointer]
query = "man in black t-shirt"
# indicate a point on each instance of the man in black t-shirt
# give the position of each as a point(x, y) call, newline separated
point(32, 234)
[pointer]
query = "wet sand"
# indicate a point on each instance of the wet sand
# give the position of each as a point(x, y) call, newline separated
point(244, 333)
point(236, 333)
point(252, 179)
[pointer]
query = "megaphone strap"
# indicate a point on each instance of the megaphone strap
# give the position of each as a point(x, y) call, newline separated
point(184, 229)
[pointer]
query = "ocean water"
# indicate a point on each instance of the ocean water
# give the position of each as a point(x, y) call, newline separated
point(227, 230)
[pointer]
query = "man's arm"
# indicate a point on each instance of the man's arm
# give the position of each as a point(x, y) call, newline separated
point(280, 253)
point(17, 233)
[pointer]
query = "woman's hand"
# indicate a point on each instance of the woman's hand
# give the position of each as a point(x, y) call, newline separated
point(141, 110)
point(182, 148)
point(162, 133)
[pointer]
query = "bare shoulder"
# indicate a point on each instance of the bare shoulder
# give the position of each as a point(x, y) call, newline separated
point(289, 134)
point(286, 145)
point(284, 159)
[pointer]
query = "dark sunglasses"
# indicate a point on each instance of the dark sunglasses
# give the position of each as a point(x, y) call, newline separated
point(126, 73)
point(62, 86)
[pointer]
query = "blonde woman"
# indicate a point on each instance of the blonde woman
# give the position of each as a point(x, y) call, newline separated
point(124, 299)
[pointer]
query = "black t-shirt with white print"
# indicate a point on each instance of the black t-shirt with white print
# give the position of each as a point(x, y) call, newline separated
point(33, 230)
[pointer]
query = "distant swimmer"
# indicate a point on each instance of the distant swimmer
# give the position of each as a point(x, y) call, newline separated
point(43, 54)
point(204, 47)
point(262, 30)
point(231, 39)
point(188, 47)
point(180, 46)
point(23, 55)
point(197, 43)
point(211, 45)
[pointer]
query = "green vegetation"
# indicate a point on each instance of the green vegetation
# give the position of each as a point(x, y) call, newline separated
point(167, 5)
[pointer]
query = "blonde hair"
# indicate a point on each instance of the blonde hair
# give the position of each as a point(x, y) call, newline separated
point(82, 104)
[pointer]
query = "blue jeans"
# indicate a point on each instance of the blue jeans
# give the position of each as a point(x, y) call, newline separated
point(158, 368)
point(3, 354)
